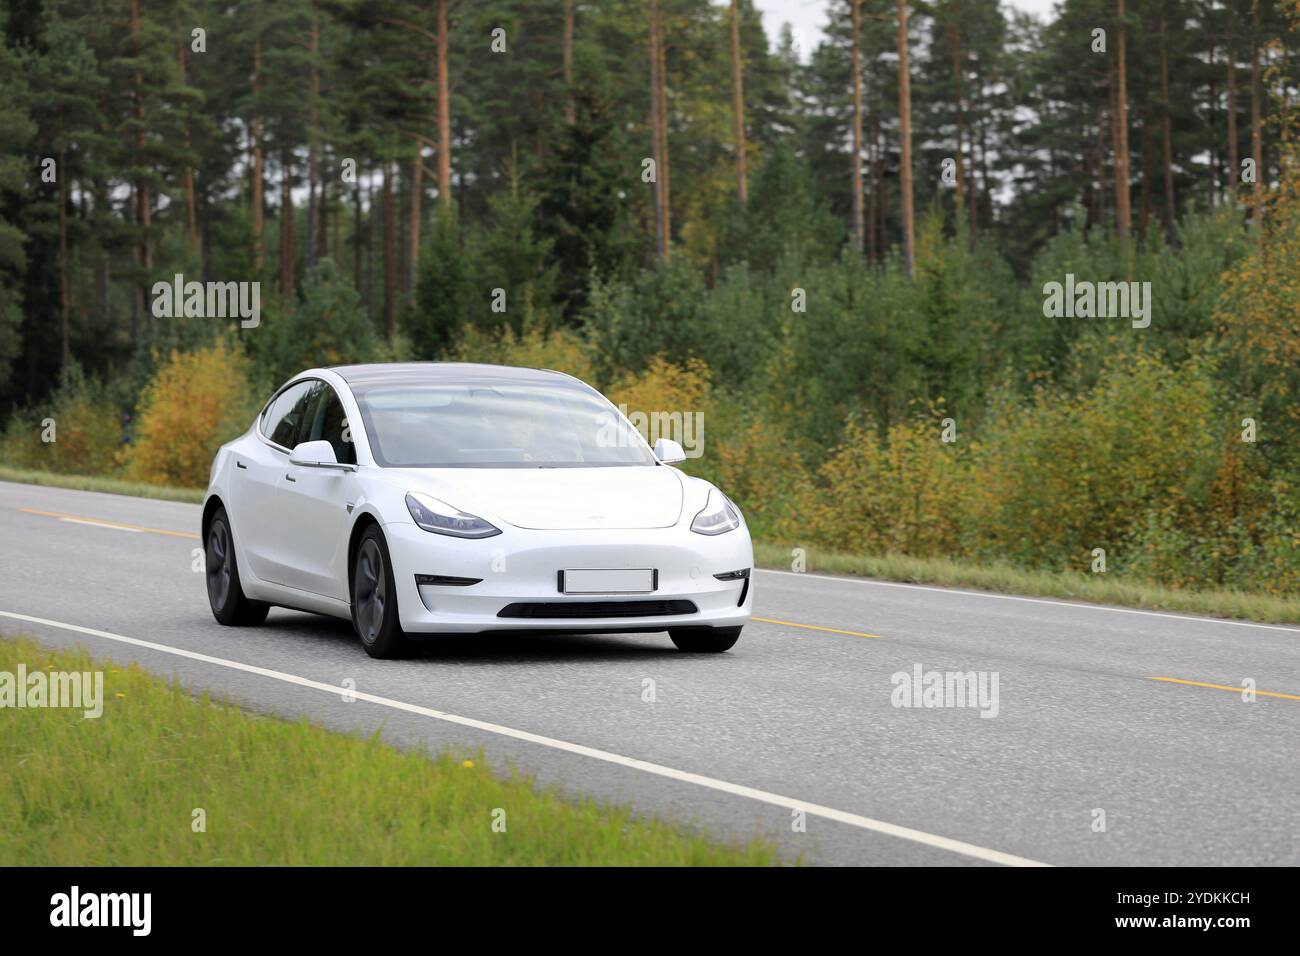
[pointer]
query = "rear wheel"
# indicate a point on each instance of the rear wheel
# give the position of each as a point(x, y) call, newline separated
point(704, 640)
point(374, 597)
point(229, 606)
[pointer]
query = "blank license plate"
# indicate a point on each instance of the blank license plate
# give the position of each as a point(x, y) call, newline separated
point(608, 580)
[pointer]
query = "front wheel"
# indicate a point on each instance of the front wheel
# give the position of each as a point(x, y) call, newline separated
point(225, 594)
point(374, 597)
point(704, 640)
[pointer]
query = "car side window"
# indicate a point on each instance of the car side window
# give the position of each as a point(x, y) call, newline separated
point(285, 416)
point(328, 423)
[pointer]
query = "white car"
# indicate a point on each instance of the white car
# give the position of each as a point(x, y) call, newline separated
point(438, 498)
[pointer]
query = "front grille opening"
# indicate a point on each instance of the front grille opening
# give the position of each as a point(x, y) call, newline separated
point(581, 610)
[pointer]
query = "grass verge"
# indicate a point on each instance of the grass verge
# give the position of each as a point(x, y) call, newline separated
point(112, 486)
point(943, 572)
point(122, 790)
point(1006, 579)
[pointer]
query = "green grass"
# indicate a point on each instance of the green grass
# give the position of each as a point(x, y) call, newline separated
point(1007, 579)
point(120, 790)
point(112, 486)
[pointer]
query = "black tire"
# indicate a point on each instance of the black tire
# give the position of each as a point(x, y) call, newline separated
point(374, 597)
point(225, 593)
point(704, 640)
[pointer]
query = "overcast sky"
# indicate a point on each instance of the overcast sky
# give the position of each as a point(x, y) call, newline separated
point(809, 16)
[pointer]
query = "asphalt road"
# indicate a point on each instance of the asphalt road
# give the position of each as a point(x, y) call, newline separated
point(800, 716)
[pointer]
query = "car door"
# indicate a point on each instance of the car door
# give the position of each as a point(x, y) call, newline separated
point(313, 513)
point(258, 471)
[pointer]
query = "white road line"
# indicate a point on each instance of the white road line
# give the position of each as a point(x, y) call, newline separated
point(828, 813)
point(1029, 600)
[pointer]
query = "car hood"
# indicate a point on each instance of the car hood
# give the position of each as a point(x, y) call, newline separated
point(556, 499)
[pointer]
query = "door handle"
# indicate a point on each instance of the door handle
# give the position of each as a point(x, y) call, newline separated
point(291, 478)
point(240, 464)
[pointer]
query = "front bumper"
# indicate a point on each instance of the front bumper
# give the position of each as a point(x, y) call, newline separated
point(521, 566)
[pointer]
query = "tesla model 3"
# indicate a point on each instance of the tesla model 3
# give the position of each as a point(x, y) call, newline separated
point(438, 498)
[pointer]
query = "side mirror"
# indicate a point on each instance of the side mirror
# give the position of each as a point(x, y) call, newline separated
point(669, 451)
point(315, 454)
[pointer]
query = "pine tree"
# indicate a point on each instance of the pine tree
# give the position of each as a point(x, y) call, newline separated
point(16, 173)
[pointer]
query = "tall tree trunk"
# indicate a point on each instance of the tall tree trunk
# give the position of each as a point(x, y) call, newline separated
point(905, 136)
point(401, 210)
point(665, 178)
point(1256, 139)
point(187, 174)
point(323, 221)
point(1123, 214)
point(370, 249)
point(872, 184)
point(1101, 215)
point(143, 204)
point(656, 150)
point(65, 298)
point(1089, 189)
point(137, 287)
point(954, 51)
point(882, 197)
point(258, 250)
point(313, 120)
point(570, 116)
point(356, 236)
point(738, 101)
point(1213, 100)
point(1144, 189)
point(146, 253)
point(1234, 163)
point(444, 111)
point(417, 194)
point(286, 223)
point(973, 190)
point(337, 245)
point(390, 254)
point(1167, 133)
point(103, 264)
point(855, 77)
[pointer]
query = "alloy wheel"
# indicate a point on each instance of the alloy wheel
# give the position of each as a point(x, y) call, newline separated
point(371, 591)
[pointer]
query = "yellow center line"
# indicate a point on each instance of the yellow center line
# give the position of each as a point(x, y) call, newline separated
point(816, 627)
point(1235, 690)
point(82, 519)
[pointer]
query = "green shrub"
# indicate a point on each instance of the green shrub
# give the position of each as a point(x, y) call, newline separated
point(77, 431)
point(328, 327)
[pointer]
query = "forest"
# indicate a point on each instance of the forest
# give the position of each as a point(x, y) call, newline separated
point(839, 256)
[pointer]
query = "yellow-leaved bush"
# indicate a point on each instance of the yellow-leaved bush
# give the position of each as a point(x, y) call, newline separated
point(195, 402)
point(560, 349)
point(664, 387)
point(900, 495)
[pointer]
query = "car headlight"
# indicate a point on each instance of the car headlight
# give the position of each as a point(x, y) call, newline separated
point(441, 518)
point(717, 517)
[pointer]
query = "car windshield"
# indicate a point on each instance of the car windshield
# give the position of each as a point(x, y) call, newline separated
point(496, 426)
